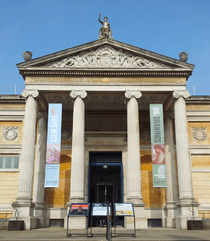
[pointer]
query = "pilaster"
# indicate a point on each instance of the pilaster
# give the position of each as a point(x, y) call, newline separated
point(39, 177)
point(171, 190)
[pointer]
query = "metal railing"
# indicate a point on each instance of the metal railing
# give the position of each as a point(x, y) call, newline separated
point(199, 90)
point(17, 90)
point(11, 89)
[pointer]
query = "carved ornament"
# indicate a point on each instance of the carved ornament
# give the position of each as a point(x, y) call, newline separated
point(107, 57)
point(199, 133)
point(136, 94)
point(185, 94)
point(10, 133)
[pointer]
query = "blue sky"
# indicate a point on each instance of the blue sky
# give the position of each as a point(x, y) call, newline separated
point(166, 27)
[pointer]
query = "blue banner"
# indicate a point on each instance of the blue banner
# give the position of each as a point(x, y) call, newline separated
point(53, 145)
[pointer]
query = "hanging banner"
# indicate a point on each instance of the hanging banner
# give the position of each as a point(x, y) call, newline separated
point(53, 145)
point(157, 145)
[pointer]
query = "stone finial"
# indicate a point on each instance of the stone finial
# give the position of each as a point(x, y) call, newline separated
point(183, 56)
point(27, 55)
point(105, 31)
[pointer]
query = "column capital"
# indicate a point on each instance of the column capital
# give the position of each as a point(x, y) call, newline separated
point(33, 93)
point(80, 93)
point(133, 93)
point(184, 93)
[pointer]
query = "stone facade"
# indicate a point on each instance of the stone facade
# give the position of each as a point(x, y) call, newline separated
point(105, 88)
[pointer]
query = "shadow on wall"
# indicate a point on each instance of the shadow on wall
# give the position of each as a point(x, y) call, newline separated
point(58, 197)
point(153, 197)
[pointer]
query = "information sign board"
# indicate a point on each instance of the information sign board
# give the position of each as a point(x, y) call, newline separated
point(123, 209)
point(80, 209)
point(100, 209)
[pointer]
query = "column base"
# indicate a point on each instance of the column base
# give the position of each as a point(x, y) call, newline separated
point(136, 201)
point(23, 210)
point(39, 213)
point(75, 200)
point(76, 222)
point(187, 209)
point(140, 218)
point(170, 212)
point(29, 222)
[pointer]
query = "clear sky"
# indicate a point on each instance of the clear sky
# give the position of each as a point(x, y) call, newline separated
point(167, 27)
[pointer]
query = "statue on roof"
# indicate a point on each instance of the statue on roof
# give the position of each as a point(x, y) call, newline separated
point(105, 31)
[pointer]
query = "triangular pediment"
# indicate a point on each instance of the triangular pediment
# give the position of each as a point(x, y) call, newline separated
point(105, 54)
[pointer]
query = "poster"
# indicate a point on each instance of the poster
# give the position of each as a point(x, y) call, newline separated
point(52, 175)
point(100, 209)
point(157, 145)
point(124, 209)
point(53, 145)
point(79, 209)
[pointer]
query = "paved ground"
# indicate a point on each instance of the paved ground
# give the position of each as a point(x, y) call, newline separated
point(55, 233)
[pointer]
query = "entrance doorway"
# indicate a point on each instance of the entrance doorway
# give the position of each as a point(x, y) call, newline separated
point(105, 184)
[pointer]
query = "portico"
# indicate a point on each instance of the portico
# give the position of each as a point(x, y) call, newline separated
point(105, 88)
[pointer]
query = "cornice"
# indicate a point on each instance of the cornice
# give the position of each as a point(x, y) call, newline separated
point(19, 100)
point(106, 72)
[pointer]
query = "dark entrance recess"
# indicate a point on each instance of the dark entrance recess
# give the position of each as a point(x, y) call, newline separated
point(105, 184)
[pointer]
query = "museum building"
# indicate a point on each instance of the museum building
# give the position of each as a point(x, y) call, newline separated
point(105, 88)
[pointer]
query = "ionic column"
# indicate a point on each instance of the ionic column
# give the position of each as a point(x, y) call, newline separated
point(133, 137)
point(171, 190)
point(78, 150)
point(24, 203)
point(39, 176)
point(186, 205)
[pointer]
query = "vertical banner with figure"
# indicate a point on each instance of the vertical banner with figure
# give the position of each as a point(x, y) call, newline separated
point(157, 145)
point(53, 145)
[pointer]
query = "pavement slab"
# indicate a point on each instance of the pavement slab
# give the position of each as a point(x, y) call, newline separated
point(55, 233)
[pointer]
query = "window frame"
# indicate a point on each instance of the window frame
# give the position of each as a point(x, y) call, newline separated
point(13, 160)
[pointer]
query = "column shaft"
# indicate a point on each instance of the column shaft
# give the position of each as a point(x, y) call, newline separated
point(78, 159)
point(28, 147)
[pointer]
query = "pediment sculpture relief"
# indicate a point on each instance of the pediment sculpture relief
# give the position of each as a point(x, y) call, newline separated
point(107, 57)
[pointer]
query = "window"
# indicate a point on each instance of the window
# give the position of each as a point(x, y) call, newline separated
point(9, 162)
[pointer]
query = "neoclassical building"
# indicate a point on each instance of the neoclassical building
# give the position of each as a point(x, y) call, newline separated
point(105, 88)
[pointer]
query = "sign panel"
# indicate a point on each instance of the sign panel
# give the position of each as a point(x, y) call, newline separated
point(124, 209)
point(157, 145)
point(53, 145)
point(100, 209)
point(80, 209)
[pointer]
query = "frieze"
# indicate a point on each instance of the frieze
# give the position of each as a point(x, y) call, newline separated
point(107, 57)
point(199, 133)
point(10, 133)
